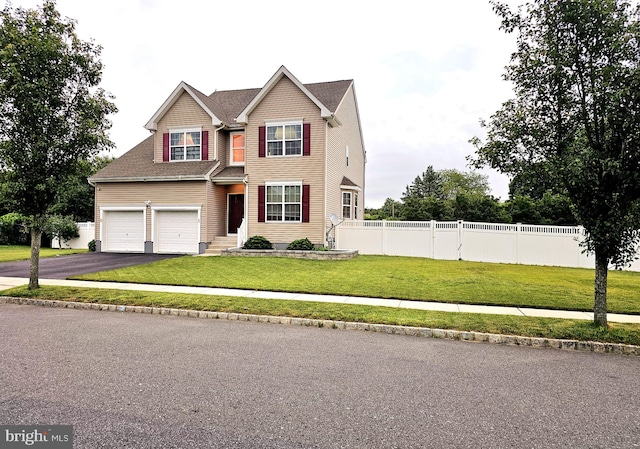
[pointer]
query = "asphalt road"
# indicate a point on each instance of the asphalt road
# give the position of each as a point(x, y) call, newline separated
point(64, 266)
point(148, 381)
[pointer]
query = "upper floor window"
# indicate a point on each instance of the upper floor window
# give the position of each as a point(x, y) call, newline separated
point(185, 144)
point(237, 148)
point(284, 139)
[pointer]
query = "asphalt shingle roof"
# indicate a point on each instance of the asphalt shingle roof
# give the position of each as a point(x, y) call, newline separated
point(138, 163)
point(226, 105)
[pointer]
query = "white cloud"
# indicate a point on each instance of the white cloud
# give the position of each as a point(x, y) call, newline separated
point(425, 71)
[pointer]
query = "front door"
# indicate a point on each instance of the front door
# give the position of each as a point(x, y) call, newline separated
point(236, 212)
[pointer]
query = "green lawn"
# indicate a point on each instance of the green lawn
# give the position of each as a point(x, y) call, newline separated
point(11, 253)
point(501, 324)
point(395, 277)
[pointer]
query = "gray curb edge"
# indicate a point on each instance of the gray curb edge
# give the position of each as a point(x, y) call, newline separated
point(513, 340)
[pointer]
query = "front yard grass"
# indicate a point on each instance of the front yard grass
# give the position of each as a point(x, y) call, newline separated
point(394, 277)
point(12, 253)
point(501, 324)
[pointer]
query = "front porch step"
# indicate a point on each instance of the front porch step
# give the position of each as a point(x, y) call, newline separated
point(220, 243)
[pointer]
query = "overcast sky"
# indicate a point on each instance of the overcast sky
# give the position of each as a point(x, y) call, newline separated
point(425, 71)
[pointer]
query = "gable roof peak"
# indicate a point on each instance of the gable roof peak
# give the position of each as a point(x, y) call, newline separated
point(280, 73)
point(203, 101)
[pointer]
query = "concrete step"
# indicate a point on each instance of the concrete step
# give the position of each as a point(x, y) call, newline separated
point(220, 243)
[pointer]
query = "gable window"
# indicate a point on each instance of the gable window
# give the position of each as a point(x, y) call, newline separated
point(346, 205)
point(284, 139)
point(284, 202)
point(185, 145)
point(237, 148)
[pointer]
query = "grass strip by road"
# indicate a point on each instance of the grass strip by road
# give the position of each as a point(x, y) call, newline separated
point(13, 253)
point(500, 324)
point(410, 278)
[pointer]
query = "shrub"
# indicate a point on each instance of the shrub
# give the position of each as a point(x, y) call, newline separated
point(257, 242)
point(61, 227)
point(301, 244)
point(92, 246)
point(12, 230)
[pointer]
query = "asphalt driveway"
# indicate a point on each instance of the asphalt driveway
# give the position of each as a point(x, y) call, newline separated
point(64, 266)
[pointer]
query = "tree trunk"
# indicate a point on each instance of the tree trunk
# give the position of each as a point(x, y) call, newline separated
point(34, 268)
point(600, 303)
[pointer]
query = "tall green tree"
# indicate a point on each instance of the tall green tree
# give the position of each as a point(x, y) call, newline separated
point(52, 112)
point(76, 197)
point(576, 78)
point(455, 182)
point(448, 194)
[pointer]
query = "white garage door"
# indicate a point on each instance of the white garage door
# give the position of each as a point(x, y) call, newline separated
point(123, 231)
point(177, 232)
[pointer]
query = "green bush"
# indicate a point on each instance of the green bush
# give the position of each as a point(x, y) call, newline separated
point(12, 230)
point(92, 246)
point(301, 244)
point(61, 227)
point(257, 242)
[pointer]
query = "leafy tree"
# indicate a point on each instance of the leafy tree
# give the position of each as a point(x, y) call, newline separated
point(455, 182)
point(425, 209)
point(61, 227)
point(523, 209)
point(576, 78)
point(434, 196)
point(12, 229)
point(534, 181)
point(483, 208)
point(52, 114)
point(391, 208)
point(556, 209)
point(76, 197)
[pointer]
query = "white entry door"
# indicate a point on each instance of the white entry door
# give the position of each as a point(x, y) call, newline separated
point(177, 232)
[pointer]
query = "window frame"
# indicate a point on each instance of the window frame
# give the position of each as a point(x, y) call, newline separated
point(282, 202)
point(346, 205)
point(184, 147)
point(284, 139)
point(231, 148)
point(355, 205)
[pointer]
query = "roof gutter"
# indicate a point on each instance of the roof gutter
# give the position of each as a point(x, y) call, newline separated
point(93, 181)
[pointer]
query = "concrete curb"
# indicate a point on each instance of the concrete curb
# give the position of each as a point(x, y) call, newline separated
point(513, 340)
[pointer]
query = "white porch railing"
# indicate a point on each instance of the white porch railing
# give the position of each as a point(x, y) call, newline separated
point(242, 233)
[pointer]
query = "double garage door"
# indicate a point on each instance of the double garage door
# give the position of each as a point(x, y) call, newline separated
point(175, 232)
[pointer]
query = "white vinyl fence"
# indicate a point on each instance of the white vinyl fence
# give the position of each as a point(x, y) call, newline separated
point(87, 233)
point(479, 242)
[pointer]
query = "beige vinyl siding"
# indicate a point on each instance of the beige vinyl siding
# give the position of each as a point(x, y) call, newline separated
point(134, 194)
point(185, 113)
point(337, 140)
point(223, 148)
point(217, 216)
point(283, 103)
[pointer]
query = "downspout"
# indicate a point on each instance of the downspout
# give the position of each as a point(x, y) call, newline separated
point(326, 168)
point(246, 205)
point(215, 141)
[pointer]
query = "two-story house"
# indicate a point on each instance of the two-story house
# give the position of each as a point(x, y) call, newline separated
point(276, 162)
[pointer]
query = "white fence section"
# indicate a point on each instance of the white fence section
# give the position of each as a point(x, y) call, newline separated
point(478, 242)
point(87, 233)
